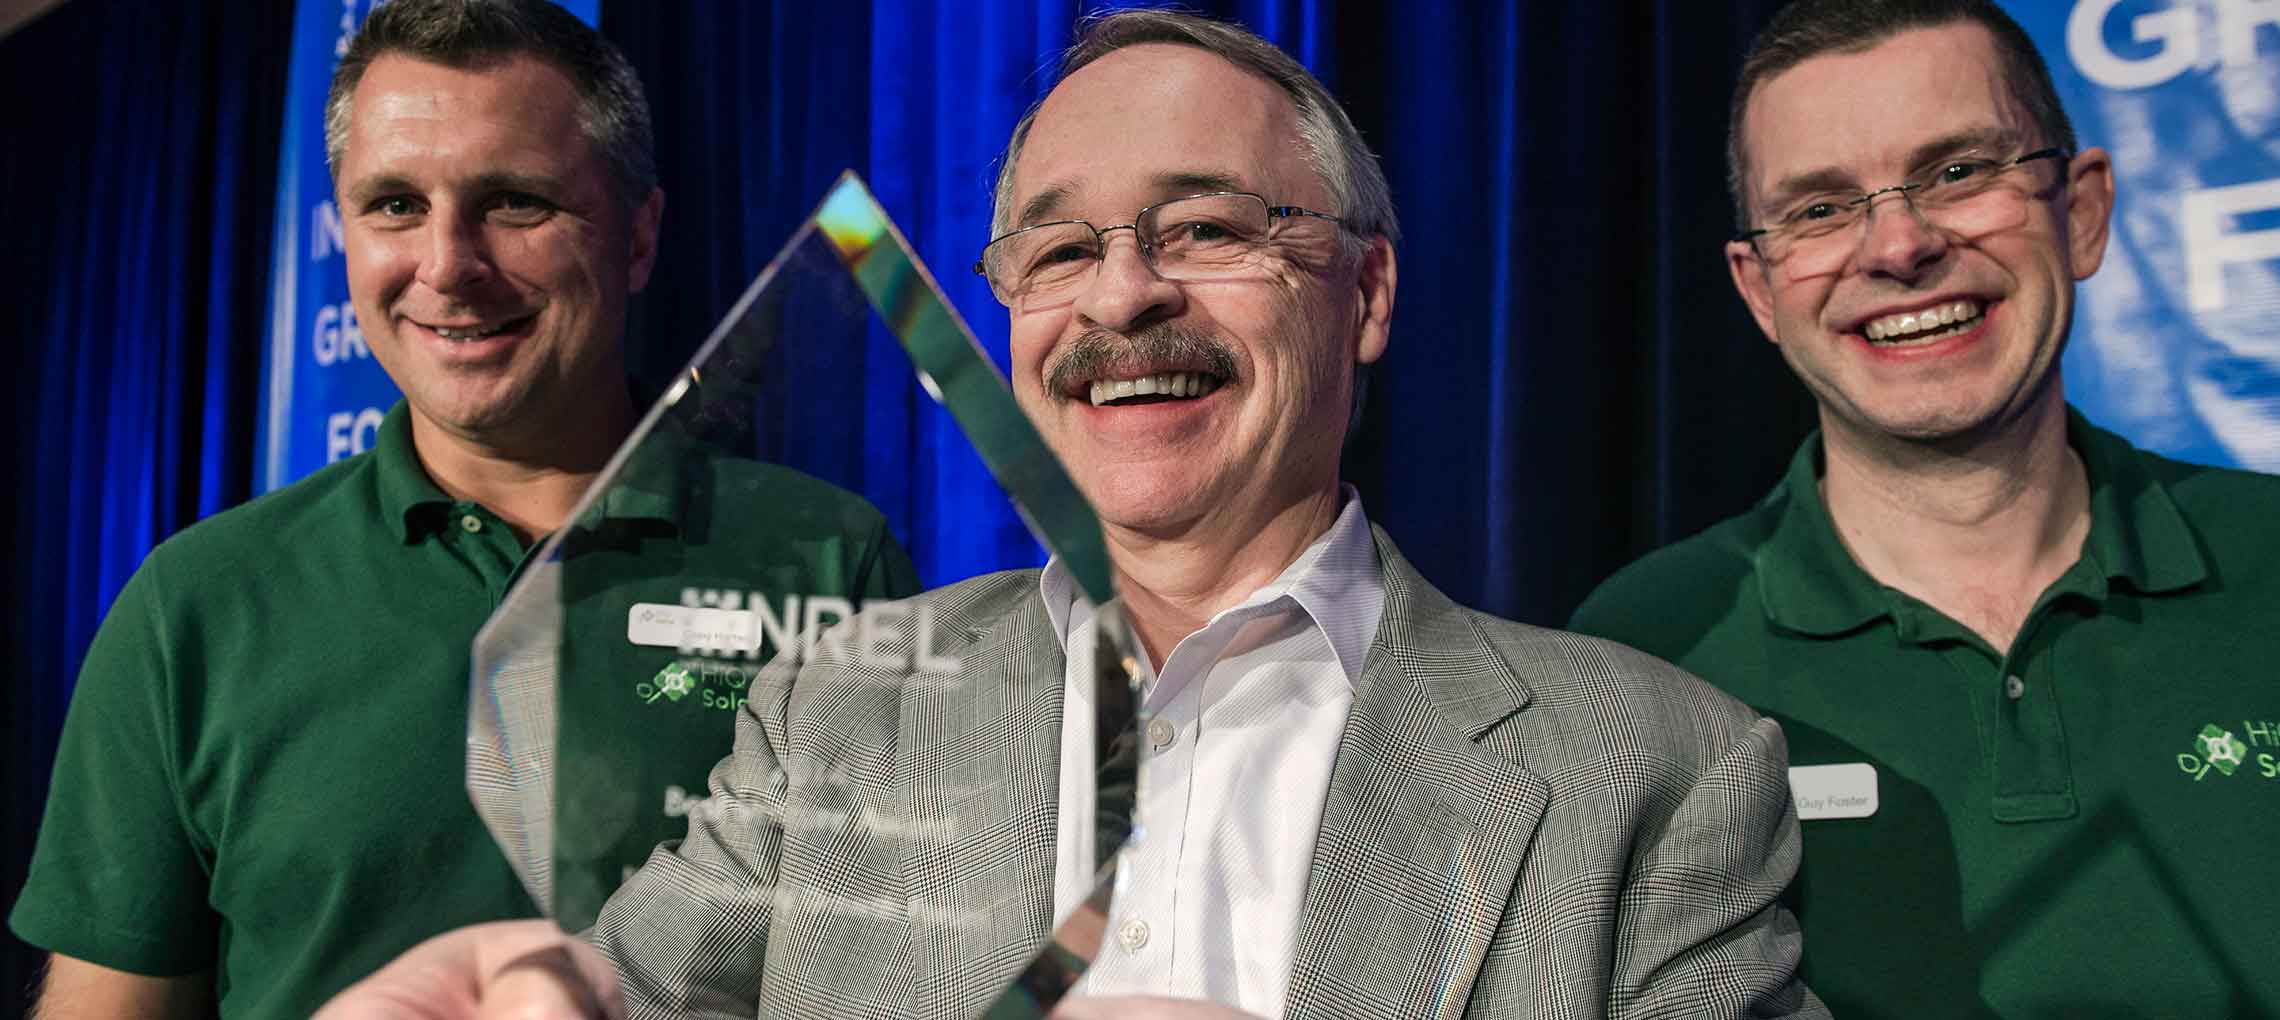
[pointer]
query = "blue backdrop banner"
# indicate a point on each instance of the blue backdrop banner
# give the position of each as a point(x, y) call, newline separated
point(2177, 339)
point(322, 395)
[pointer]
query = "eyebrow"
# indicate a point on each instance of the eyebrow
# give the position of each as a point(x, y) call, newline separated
point(1987, 139)
point(1195, 182)
point(1041, 205)
point(1830, 178)
point(363, 191)
point(500, 180)
point(370, 188)
point(1170, 184)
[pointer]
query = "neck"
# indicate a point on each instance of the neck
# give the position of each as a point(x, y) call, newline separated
point(1172, 585)
point(532, 483)
point(1976, 527)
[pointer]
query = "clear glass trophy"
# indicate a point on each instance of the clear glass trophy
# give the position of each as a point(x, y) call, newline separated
point(731, 532)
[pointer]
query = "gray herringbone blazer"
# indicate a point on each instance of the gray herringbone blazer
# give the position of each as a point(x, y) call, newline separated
point(1520, 822)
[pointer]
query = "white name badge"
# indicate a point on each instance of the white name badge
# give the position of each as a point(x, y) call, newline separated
point(657, 625)
point(1834, 791)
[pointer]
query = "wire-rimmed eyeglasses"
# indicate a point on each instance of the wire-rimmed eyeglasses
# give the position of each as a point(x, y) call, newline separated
point(1194, 237)
point(1812, 235)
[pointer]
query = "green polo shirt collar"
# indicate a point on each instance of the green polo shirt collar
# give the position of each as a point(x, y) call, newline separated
point(1810, 584)
point(649, 487)
point(410, 501)
point(2137, 533)
point(1807, 579)
point(653, 484)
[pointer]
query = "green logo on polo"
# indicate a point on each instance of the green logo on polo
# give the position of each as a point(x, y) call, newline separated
point(2256, 751)
point(675, 682)
point(712, 684)
point(2221, 750)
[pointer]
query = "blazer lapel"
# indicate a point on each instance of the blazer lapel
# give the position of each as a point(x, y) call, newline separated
point(1423, 830)
point(982, 760)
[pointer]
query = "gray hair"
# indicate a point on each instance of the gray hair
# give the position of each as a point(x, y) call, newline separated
point(1346, 164)
point(482, 33)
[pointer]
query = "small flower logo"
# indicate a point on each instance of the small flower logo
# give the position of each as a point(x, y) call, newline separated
point(2221, 749)
point(675, 682)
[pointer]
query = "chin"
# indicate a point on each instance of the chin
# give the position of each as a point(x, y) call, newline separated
point(473, 416)
point(1147, 503)
point(1932, 423)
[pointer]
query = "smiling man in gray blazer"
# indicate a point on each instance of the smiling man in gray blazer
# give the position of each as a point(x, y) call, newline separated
point(1359, 798)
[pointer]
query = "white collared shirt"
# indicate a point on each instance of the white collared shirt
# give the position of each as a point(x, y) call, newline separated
point(1243, 724)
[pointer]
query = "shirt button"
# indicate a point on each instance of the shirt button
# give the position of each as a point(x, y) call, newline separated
point(470, 523)
point(1133, 934)
point(2014, 688)
point(1161, 734)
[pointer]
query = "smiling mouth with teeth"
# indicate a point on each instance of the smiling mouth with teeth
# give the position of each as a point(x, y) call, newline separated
point(467, 335)
point(1923, 326)
point(1152, 389)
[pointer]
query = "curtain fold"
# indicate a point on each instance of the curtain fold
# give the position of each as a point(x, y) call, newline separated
point(135, 154)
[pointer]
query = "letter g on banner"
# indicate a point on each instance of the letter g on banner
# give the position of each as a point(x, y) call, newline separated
point(2175, 31)
point(2176, 34)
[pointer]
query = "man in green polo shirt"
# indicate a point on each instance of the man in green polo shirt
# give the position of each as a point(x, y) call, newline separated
point(260, 793)
point(2026, 671)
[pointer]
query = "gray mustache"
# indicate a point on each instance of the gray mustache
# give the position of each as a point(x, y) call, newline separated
point(1098, 353)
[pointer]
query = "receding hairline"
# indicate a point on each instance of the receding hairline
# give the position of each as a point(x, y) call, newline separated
point(481, 64)
point(1195, 179)
point(1049, 200)
point(473, 64)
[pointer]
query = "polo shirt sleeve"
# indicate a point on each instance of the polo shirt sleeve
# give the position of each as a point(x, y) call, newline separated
point(117, 878)
point(1653, 604)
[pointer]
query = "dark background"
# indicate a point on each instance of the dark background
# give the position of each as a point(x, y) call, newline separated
point(1572, 381)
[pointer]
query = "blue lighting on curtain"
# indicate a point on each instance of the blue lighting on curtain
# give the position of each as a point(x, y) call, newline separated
point(136, 225)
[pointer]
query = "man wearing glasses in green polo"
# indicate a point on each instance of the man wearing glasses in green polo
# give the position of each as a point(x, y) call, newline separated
point(2026, 671)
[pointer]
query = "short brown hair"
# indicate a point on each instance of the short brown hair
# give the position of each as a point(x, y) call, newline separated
point(1811, 28)
point(480, 33)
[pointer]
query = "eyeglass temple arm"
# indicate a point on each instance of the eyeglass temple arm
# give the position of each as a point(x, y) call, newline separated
point(1284, 211)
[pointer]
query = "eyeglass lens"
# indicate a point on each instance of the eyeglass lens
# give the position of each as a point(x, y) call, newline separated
point(1966, 211)
point(1199, 237)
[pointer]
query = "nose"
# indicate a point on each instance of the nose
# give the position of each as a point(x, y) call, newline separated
point(1125, 290)
point(1899, 242)
point(458, 255)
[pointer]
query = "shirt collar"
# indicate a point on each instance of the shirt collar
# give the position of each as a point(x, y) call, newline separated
point(409, 499)
point(1806, 578)
point(2137, 533)
point(652, 485)
point(1336, 581)
point(1810, 584)
point(655, 481)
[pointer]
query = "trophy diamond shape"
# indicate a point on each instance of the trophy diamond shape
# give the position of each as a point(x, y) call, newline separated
point(695, 651)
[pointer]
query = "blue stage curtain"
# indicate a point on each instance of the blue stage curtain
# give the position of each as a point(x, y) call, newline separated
point(136, 156)
point(1571, 380)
